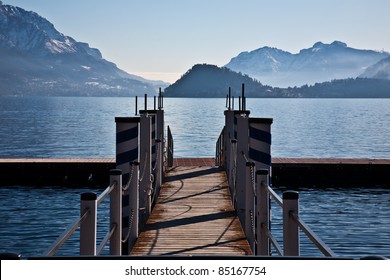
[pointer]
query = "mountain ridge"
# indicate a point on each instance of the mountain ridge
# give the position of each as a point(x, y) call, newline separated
point(36, 59)
point(319, 63)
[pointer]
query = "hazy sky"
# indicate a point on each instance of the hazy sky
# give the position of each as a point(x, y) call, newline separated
point(162, 39)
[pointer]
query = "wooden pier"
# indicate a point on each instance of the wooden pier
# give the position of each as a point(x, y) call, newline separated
point(193, 216)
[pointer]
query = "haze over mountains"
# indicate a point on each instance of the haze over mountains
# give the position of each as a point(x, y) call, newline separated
point(320, 63)
point(36, 59)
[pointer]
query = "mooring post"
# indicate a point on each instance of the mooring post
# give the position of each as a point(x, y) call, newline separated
point(127, 148)
point(116, 212)
point(89, 225)
point(290, 227)
point(145, 183)
point(262, 212)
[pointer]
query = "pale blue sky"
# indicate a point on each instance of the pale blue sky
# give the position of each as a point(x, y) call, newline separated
point(163, 39)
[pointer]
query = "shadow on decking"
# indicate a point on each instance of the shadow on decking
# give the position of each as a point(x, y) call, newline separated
point(193, 174)
point(190, 220)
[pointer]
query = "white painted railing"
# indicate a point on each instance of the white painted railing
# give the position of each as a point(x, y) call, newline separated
point(87, 221)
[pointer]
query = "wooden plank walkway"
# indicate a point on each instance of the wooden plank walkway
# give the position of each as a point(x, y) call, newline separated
point(193, 216)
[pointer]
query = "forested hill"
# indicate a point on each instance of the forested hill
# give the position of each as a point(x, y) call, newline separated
point(204, 80)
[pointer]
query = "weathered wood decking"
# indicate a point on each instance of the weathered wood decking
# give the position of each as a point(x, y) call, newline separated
point(193, 216)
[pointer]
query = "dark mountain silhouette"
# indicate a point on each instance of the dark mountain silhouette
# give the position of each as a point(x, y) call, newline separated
point(204, 80)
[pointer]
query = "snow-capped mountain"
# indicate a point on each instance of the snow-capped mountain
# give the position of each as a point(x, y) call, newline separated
point(37, 59)
point(380, 70)
point(322, 62)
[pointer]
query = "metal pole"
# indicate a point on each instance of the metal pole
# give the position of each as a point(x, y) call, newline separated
point(290, 227)
point(263, 213)
point(136, 105)
point(146, 102)
point(145, 187)
point(88, 227)
point(243, 177)
point(159, 99)
point(230, 96)
point(243, 99)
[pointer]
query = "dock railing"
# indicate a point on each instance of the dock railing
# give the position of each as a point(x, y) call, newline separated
point(252, 201)
point(292, 222)
point(87, 221)
point(244, 150)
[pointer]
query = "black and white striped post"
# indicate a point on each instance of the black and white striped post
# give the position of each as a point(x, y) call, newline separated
point(127, 151)
point(260, 142)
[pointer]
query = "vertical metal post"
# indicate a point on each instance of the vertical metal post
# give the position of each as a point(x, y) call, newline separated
point(136, 105)
point(262, 212)
point(134, 205)
point(229, 136)
point(290, 228)
point(160, 147)
point(145, 185)
point(243, 98)
point(243, 177)
point(89, 225)
point(146, 102)
point(159, 99)
point(116, 212)
point(232, 175)
point(230, 97)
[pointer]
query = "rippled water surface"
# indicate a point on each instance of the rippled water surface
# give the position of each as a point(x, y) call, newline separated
point(353, 222)
point(85, 127)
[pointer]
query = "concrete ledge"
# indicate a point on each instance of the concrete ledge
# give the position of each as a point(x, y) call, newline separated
point(291, 172)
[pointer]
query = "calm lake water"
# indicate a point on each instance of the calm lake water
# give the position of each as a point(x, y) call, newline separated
point(85, 127)
point(353, 222)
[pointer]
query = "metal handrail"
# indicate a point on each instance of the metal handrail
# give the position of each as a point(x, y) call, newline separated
point(275, 196)
point(103, 244)
point(274, 242)
point(65, 235)
point(106, 192)
point(312, 236)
